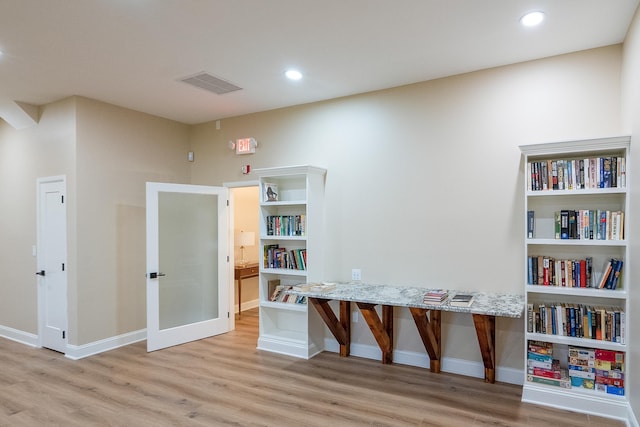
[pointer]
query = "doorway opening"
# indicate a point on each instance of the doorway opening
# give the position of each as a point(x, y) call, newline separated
point(245, 231)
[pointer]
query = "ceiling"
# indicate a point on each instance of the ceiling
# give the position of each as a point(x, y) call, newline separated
point(133, 53)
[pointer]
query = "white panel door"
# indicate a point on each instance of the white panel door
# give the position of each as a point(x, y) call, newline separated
point(187, 263)
point(52, 258)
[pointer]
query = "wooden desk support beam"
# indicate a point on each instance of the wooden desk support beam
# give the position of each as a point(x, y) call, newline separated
point(486, 331)
point(382, 330)
point(340, 328)
point(430, 333)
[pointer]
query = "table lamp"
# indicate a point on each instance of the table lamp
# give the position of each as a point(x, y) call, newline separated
point(242, 239)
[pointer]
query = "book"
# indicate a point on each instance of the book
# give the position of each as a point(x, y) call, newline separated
point(564, 224)
point(270, 192)
point(436, 296)
point(461, 300)
point(272, 285)
point(530, 224)
point(605, 275)
point(563, 382)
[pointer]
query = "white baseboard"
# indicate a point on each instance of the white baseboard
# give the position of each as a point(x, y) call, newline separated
point(76, 352)
point(19, 336)
point(248, 305)
point(632, 421)
point(448, 364)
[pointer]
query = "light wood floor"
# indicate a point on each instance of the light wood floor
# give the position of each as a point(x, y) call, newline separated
point(225, 381)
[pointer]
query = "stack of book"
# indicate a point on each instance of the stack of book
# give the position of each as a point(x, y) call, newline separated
point(542, 368)
point(436, 297)
point(582, 371)
point(462, 300)
point(609, 372)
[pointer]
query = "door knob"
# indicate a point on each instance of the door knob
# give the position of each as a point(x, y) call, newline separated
point(40, 273)
point(155, 275)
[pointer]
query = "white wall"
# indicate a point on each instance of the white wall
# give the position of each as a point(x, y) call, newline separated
point(424, 182)
point(25, 155)
point(631, 124)
point(118, 151)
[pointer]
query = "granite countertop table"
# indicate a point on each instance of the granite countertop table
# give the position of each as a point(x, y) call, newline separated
point(499, 304)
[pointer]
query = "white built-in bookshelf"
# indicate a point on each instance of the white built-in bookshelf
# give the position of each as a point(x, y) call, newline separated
point(291, 247)
point(576, 201)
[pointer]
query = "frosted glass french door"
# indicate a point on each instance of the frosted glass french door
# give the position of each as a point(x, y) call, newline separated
point(187, 263)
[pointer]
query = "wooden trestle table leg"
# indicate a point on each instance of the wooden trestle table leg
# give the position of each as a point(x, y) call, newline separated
point(340, 328)
point(430, 333)
point(382, 330)
point(486, 331)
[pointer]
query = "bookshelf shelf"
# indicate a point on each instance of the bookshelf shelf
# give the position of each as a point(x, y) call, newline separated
point(566, 306)
point(580, 342)
point(577, 292)
point(267, 238)
point(284, 306)
point(580, 192)
point(291, 209)
point(575, 242)
point(285, 272)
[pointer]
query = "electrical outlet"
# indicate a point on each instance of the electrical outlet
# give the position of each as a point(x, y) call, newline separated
point(356, 274)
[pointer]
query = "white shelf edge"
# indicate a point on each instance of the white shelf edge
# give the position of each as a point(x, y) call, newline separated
point(577, 192)
point(295, 238)
point(284, 203)
point(577, 242)
point(284, 306)
point(284, 271)
point(577, 292)
point(596, 145)
point(579, 392)
point(577, 342)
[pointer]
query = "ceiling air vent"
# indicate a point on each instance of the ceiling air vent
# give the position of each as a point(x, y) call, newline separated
point(211, 83)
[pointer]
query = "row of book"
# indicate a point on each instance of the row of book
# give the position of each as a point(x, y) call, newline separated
point(577, 174)
point(277, 257)
point(572, 273)
point(285, 225)
point(577, 320)
point(280, 294)
point(583, 224)
point(594, 369)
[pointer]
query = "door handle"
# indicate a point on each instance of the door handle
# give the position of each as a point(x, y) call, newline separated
point(41, 273)
point(155, 275)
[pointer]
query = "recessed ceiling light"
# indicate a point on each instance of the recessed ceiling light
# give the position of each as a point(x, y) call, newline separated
point(532, 19)
point(293, 74)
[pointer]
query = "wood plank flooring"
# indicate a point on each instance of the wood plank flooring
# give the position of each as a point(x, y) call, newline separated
point(225, 381)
